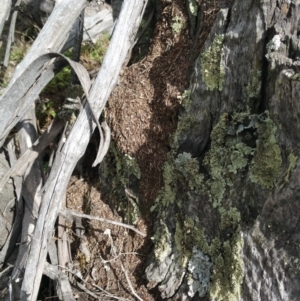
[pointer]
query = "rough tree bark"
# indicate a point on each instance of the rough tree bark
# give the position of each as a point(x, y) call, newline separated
point(227, 224)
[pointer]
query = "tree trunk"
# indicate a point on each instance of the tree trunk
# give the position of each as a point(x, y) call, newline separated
point(227, 225)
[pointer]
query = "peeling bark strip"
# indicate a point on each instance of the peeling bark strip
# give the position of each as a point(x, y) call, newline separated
point(74, 147)
point(51, 39)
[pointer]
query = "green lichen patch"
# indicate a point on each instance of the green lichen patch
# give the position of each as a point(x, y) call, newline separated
point(228, 154)
point(225, 254)
point(185, 98)
point(185, 123)
point(254, 86)
point(163, 242)
point(189, 167)
point(168, 195)
point(228, 271)
point(266, 163)
point(241, 144)
point(292, 164)
point(178, 24)
point(212, 69)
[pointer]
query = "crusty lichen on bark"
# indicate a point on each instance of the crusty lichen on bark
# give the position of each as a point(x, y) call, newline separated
point(239, 142)
point(266, 163)
point(212, 68)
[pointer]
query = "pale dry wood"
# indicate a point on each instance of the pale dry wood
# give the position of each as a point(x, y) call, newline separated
point(17, 225)
point(105, 143)
point(54, 33)
point(51, 39)
point(11, 34)
point(4, 13)
point(25, 161)
point(32, 184)
point(77, 141)
point(94, 26)
point(22, 98)
point(61, 279)
point(52, 252)
point(63, 245)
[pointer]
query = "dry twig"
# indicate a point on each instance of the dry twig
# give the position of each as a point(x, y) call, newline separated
point(67, 212)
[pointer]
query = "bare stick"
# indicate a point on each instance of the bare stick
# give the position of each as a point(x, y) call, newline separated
point(61, 279)
point(4, 13)
point(11, 35)
point(67, 212)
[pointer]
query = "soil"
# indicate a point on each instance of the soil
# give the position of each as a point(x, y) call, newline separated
point(142, 113)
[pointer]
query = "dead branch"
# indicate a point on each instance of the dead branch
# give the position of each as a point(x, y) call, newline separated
point(11, 34)
point(61, 279)
point(4, 13)
point(67, 212)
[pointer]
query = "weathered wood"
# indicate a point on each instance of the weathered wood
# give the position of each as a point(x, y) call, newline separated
point(77, 141)
point(51, 38)
point(32, 184)
point(11, 240)
point(25, 161)
point(63, 244)
point(93, 27)
point(63, 285)
point(4, 13)
point(30, 83)
point(53, 35)
point(11, 34)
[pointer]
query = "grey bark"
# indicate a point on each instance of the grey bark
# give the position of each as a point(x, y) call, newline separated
point(227, 225)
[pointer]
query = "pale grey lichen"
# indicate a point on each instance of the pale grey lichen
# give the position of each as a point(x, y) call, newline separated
point(200, 268)
point(193, 7)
